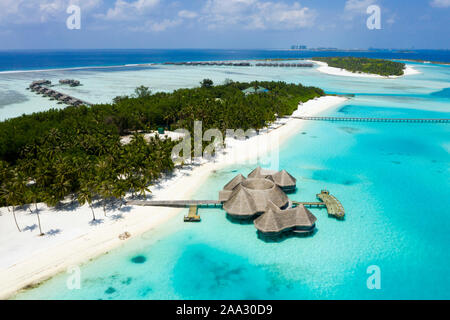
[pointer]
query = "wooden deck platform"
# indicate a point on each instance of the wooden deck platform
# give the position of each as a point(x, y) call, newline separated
point(327, 201)
point(193, 215)
point(334, 207)
point(398, 120)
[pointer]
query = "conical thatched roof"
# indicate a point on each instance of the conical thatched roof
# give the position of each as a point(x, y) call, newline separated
point(276, 221)
point(264, 190)
point(284, 179)
point(241, 203)
point(256, 173)
point(256, 192)
point(260, 173)
point(234, 182)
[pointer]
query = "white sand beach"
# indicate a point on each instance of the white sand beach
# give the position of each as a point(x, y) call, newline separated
point(324, 68)
point(72, 239)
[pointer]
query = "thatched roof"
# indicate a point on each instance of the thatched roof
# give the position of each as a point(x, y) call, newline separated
point(234, 182)
point(284, 179)
point(275, 220)
point(261, 173)
point(225, 194)
point(281, 178)
point(241, 203)
point(251, 196)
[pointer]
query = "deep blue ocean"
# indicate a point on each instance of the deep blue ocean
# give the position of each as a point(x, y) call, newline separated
point(56, 59)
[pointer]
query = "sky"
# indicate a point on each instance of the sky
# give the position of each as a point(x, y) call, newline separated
point(223, 24)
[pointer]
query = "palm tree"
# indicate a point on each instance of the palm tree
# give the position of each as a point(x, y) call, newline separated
point(85, 196)
point(10, 196)
point(32, 196)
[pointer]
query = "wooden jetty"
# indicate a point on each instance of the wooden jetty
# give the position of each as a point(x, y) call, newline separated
point(327, 201)
point(193, 215)
point(40, 87)
point(177, 203)
point(193, 206)
point(398, 120)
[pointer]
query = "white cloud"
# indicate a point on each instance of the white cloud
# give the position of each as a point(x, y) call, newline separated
point(355, 8)
point(156, 26)
point(124, 10)
point(256, 14)
point(440, 3)
point(35, 11)
point(187, 14)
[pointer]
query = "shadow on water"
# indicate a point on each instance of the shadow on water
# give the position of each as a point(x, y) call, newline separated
point(239, 221)
point(285, 236)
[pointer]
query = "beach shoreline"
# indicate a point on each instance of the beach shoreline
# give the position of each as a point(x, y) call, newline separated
point(71, 240)
point(324, 68)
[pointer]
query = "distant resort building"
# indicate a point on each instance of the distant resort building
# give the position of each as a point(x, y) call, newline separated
point(298, 47)
point(41, 87)
point(253, 90)
point(70, 82)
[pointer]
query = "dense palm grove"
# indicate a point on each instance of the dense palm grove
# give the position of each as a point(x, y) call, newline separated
point(365, 65)
point(77, 151)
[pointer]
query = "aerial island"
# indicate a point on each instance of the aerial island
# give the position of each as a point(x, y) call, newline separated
point(77, 151)
point(379, 67)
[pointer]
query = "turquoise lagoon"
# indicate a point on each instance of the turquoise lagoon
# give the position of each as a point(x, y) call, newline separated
point(393, 180)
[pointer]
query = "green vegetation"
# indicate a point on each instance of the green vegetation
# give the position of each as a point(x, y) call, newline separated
point(47, 156)
point(365, 65)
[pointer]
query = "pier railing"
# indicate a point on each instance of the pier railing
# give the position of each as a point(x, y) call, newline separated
point(398, 120)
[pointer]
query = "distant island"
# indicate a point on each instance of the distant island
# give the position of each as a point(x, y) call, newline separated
point(365, 65)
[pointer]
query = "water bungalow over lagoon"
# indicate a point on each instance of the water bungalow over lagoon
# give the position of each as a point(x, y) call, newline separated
point(260, 199)
point(250, 198)
point(39, 87)
point(70, 82)
point(281, 178)
point(275, 221)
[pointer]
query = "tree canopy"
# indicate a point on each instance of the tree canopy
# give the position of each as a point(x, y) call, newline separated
point(365, 65)
point(77, 151)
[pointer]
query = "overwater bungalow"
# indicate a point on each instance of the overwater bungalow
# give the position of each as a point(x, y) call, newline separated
point(41, 82)
point(250, 197)
point(43, 90)
point(282, 178)
point(275, 221)
point(70, 82)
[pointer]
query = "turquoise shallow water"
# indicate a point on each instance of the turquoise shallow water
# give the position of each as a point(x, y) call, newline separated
point(393, 180)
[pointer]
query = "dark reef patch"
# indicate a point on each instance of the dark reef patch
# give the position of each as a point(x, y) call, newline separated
point(332, 176)
point(110, 290)
point(350, 130)
point(11, 97)
point(127, 281)
point(139, 259)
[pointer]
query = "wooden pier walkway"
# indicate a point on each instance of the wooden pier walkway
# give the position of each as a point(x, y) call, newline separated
point(41, 87)
point(328, 201)
point(193, 215)
point(177, 203)
point(397, 120)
